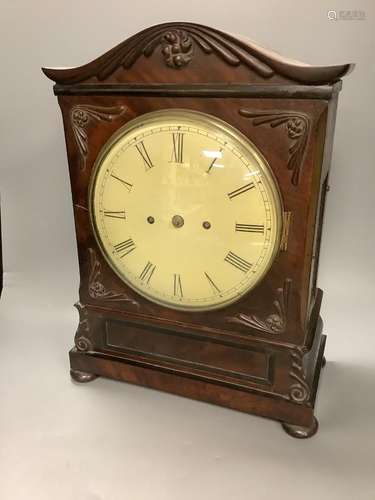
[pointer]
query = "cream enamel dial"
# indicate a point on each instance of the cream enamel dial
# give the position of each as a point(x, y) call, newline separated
point(185, 210)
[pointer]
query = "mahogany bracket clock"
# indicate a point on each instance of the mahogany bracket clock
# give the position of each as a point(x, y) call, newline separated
point(199, 167)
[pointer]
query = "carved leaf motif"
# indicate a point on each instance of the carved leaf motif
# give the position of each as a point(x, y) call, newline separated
point(275, 323)
point(96, 288)
point(82, 115)
point(297, 126)
point(299, 391)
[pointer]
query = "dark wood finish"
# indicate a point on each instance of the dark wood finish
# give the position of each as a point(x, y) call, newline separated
point(201, 90)
point(262, 354)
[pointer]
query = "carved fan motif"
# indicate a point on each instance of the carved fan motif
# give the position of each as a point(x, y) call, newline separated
point(275, 323)
point(81, 116)
point(297, 126)
point(96, 288)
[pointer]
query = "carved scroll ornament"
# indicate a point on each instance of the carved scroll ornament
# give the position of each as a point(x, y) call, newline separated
point(299, 391)
point(81, 339)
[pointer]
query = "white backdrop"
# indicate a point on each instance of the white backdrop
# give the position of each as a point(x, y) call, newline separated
point(115, 441)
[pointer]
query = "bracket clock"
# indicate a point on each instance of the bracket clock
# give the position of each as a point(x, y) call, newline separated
point(199, 167)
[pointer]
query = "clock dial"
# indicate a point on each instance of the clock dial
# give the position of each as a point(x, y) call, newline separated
point(185, 209)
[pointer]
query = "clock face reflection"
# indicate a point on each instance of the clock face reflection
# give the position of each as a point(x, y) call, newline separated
point(185, 210)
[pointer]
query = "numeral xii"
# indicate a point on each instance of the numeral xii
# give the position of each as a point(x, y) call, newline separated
point(178, 147)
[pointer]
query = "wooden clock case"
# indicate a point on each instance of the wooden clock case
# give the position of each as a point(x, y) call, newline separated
point(264, 353)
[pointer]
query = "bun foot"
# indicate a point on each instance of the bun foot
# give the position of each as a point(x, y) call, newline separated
point(82, 377)
point(300, 432)
point(324, 361)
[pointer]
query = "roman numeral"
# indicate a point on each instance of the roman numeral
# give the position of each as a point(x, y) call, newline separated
point(144, 155)
point(147, 272)
point(241, 190)
point(213, 162)
point(125, 247)
point(250, 228)
point(178, 147)
point(238, 262)
point(126, 184)
point(214, 287)
point(177, 286)
point(115, 215)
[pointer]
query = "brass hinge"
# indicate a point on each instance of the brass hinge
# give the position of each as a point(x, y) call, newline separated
point(287, 218)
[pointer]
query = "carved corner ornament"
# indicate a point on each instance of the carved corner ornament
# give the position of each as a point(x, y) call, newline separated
point(297, 126)
point(96, 288)
point(82, 115)
point(275, 323)
point(299, 391)
point(81, 339)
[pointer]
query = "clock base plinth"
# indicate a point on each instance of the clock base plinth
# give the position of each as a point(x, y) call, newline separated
point(301, 432)
point(297, 417)
point(82, 377)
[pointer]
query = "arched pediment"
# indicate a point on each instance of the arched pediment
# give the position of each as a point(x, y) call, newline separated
point(191, 53)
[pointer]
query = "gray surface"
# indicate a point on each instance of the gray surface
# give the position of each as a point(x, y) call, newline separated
point(108, 440)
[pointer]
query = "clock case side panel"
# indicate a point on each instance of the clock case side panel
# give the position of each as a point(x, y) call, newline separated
point(315, 294)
